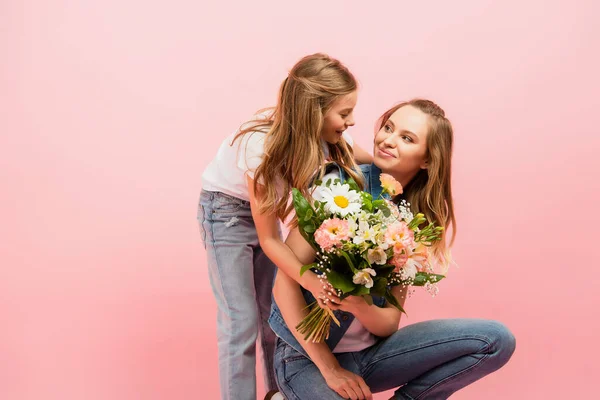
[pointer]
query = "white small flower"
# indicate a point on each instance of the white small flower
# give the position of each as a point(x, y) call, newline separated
point(363, 277)
point(380, 239)
point(405, 212)
point(432, 288)
point(408, 271)
point(363, 224)
point(352, 226)
point(362, 236)
point(376, 256)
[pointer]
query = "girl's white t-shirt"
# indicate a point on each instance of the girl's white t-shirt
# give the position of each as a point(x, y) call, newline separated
point(227, 172)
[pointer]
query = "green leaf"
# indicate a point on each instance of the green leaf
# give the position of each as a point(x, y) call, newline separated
point(379, 286)
point(309, 214)
point(309, 228)
point(367, 204)
point(307, 267)
point(301, 205)
point(360, 290)
point(393, 301)
point(383, 206)
point(350, 263)
point(353, 185)
point(369, 299)
point(340, 282)
point(383, 270)
point(421, 278)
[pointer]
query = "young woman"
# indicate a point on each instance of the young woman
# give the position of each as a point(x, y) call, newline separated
point(368, 354)
point(244, 196)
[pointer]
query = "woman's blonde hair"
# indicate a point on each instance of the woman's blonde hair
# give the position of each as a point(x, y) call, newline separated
point(430, 191)
point(293, 152)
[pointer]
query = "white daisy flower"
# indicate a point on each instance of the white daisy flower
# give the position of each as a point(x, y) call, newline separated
point(339, 199)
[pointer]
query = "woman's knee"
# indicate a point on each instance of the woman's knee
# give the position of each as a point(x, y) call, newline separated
point(503, 341)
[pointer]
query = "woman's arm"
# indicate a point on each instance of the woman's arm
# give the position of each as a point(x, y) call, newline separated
point(268, 235)
point(289, 298)
point(379, 321)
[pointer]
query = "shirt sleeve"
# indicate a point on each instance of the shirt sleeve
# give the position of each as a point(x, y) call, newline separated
point(252, 149)
point(348, 139)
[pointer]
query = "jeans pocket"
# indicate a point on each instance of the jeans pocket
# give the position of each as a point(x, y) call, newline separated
point(201, 219)
point(226, 204)
point(293, 363)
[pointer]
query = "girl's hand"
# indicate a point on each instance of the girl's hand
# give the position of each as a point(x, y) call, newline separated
point(328, 298)
point(316, 286)
point(347, 384)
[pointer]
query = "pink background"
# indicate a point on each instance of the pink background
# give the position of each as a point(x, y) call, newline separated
point(110, 110)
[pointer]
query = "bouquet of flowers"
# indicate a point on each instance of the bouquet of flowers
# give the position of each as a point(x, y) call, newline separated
point(364, 246)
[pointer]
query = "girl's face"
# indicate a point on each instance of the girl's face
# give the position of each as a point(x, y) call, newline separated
point(401, 144)
point(339, 117)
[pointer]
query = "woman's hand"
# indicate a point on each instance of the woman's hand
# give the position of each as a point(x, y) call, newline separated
point(347, 384)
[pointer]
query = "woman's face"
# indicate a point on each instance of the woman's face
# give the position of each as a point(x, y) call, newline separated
point(339, 117)
point(401, 144)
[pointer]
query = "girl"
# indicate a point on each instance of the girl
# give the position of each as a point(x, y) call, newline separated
point(368, 353)
point(244, 194)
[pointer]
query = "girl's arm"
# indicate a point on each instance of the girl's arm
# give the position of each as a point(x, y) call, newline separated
point(274, 247)
point(361, 156)
point(289, 298)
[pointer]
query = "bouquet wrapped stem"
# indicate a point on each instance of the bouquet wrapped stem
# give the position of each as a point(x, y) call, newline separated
point(316, 325)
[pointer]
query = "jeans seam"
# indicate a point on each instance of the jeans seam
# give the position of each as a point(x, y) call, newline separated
point(297, 372)
point(270, 364)
point(373, 361)
point(451, 377)
point(202, 230)
point(290, 390)
point(212, 236)
point(284, 381)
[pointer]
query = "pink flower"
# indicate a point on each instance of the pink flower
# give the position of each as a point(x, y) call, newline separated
point(331, 233)
point(398, 261)
point(398, 247)
point(418, 257)
point(398, 235)
point(390, 185)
